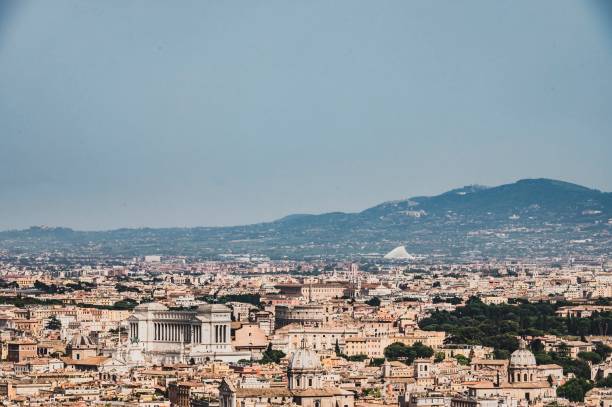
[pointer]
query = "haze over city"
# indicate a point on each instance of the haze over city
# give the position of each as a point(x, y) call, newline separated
point(132, 114)
point(281, 203)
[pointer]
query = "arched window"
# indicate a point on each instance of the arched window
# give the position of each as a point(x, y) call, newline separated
point(525, 377)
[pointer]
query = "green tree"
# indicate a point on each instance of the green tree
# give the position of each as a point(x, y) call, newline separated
point(372, 392)
point(399, 351)
point(54, 323)
point(357, 358)
point(271, 356)
point(462, 360)
point(373, 302)
point(603, 350)
point(377, 361)
point(592, 357)
point(422, 351)
point(574, 389)
point(607, 382)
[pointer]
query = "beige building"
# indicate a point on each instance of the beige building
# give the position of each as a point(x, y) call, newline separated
point(250, 338)
point(304, 388)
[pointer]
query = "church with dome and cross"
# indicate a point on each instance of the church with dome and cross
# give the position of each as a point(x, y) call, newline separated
point(304, 387)
point(526, 380)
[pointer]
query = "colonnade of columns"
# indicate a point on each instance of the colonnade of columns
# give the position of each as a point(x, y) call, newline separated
point(171, 332)
point(220, 333)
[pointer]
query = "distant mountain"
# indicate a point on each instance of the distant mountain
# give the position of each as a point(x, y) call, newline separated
point(528, 218)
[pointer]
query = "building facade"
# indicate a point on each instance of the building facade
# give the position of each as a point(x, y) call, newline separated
point(169, 336)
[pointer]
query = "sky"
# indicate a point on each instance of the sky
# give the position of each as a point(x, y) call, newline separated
point(126, 113)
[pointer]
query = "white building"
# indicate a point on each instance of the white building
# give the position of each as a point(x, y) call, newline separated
point(167, 336)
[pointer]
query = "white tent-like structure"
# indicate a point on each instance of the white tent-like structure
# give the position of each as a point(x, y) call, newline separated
point(399, 253)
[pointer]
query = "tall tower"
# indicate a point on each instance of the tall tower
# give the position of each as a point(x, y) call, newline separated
point(355, 281)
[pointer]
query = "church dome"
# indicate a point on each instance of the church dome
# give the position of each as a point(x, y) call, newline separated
point(304, 359)
point(522, 357)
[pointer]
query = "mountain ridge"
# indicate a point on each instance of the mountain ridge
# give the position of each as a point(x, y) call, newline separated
point(530, 217)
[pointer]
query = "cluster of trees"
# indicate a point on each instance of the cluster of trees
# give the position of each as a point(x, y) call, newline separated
point(54, 323)
point(373, 302)
point(463, 360)
point(498, 325)
point(254, 299)
point(352, 358)
point(451, 300)
point(55, 289)
point(407, 354)
point(6, 284)
point(125, 304)
point(21, 302)
point(372, 392)
point(574, 389)
point(49, 288)
point(125, 288)
point(271, 355)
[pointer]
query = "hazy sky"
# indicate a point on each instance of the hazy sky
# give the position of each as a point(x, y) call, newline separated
point(124, 113)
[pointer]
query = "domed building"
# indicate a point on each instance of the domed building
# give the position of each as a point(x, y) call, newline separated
point(304, 370)
point(304, 388)
point(523, 366)
point(536, 384)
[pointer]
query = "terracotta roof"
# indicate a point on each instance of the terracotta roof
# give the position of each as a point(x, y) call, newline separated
point(268, 392)
point(285, 392)
point(92, 361)
point(550, 366)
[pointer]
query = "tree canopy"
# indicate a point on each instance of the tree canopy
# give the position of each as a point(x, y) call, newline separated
point(498, 325)
point(407, 354)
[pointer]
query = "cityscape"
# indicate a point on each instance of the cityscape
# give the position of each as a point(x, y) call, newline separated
point(282, 203)
point(398, 330)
